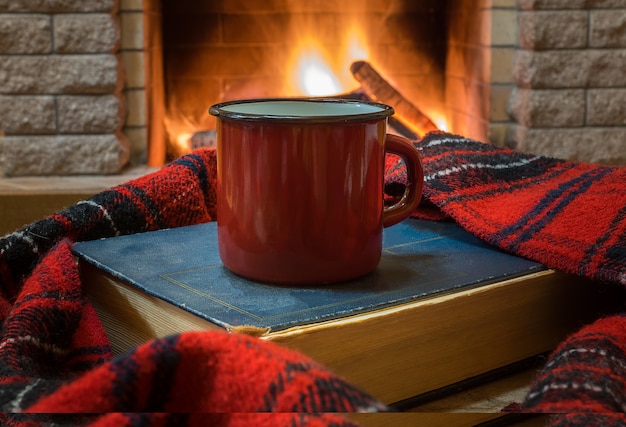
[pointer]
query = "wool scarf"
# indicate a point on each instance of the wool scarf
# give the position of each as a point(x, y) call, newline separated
point(56, 364)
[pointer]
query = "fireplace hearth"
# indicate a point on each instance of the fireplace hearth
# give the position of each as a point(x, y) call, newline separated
point(92, 87)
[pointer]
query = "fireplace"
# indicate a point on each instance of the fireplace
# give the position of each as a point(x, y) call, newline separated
point(296, 49)
point(234, 49)
point(93, 87)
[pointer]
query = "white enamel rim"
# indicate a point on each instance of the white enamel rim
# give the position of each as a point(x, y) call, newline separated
point(301, 110)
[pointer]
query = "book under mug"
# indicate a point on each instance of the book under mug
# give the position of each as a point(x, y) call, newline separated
point(441, 307)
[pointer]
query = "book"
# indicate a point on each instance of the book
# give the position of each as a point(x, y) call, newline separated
point(442, 306)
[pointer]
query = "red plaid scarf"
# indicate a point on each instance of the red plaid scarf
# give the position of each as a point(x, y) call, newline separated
point(569, 216)
point(55, 356)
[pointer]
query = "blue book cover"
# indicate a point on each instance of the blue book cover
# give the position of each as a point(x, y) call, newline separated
point(182, 266)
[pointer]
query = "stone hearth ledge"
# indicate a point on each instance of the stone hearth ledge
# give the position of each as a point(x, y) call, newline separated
point(30, 155)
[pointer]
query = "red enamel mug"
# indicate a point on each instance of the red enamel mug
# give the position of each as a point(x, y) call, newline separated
point(300, 187)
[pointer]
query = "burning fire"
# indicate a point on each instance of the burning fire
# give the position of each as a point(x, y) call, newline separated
point(314, 76)
point(317, 73)
point(440, 120)
point(314, 71)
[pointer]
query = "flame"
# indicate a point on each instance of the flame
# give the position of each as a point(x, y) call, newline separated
point(313, 74)
point(183, 139)
point(440, 120)
point(179, 129)
point(317, 73)
point(314, 69)
point(355, 49)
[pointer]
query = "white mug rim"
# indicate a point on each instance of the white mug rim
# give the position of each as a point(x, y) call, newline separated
point(301, 110)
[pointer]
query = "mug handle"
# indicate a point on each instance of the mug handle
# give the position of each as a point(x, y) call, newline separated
point(415, 179)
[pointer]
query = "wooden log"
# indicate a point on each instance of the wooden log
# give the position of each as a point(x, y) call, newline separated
point(379, 90)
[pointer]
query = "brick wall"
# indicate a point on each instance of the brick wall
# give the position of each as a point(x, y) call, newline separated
point(570, 75)
point(482, 39)
point(61, 103)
